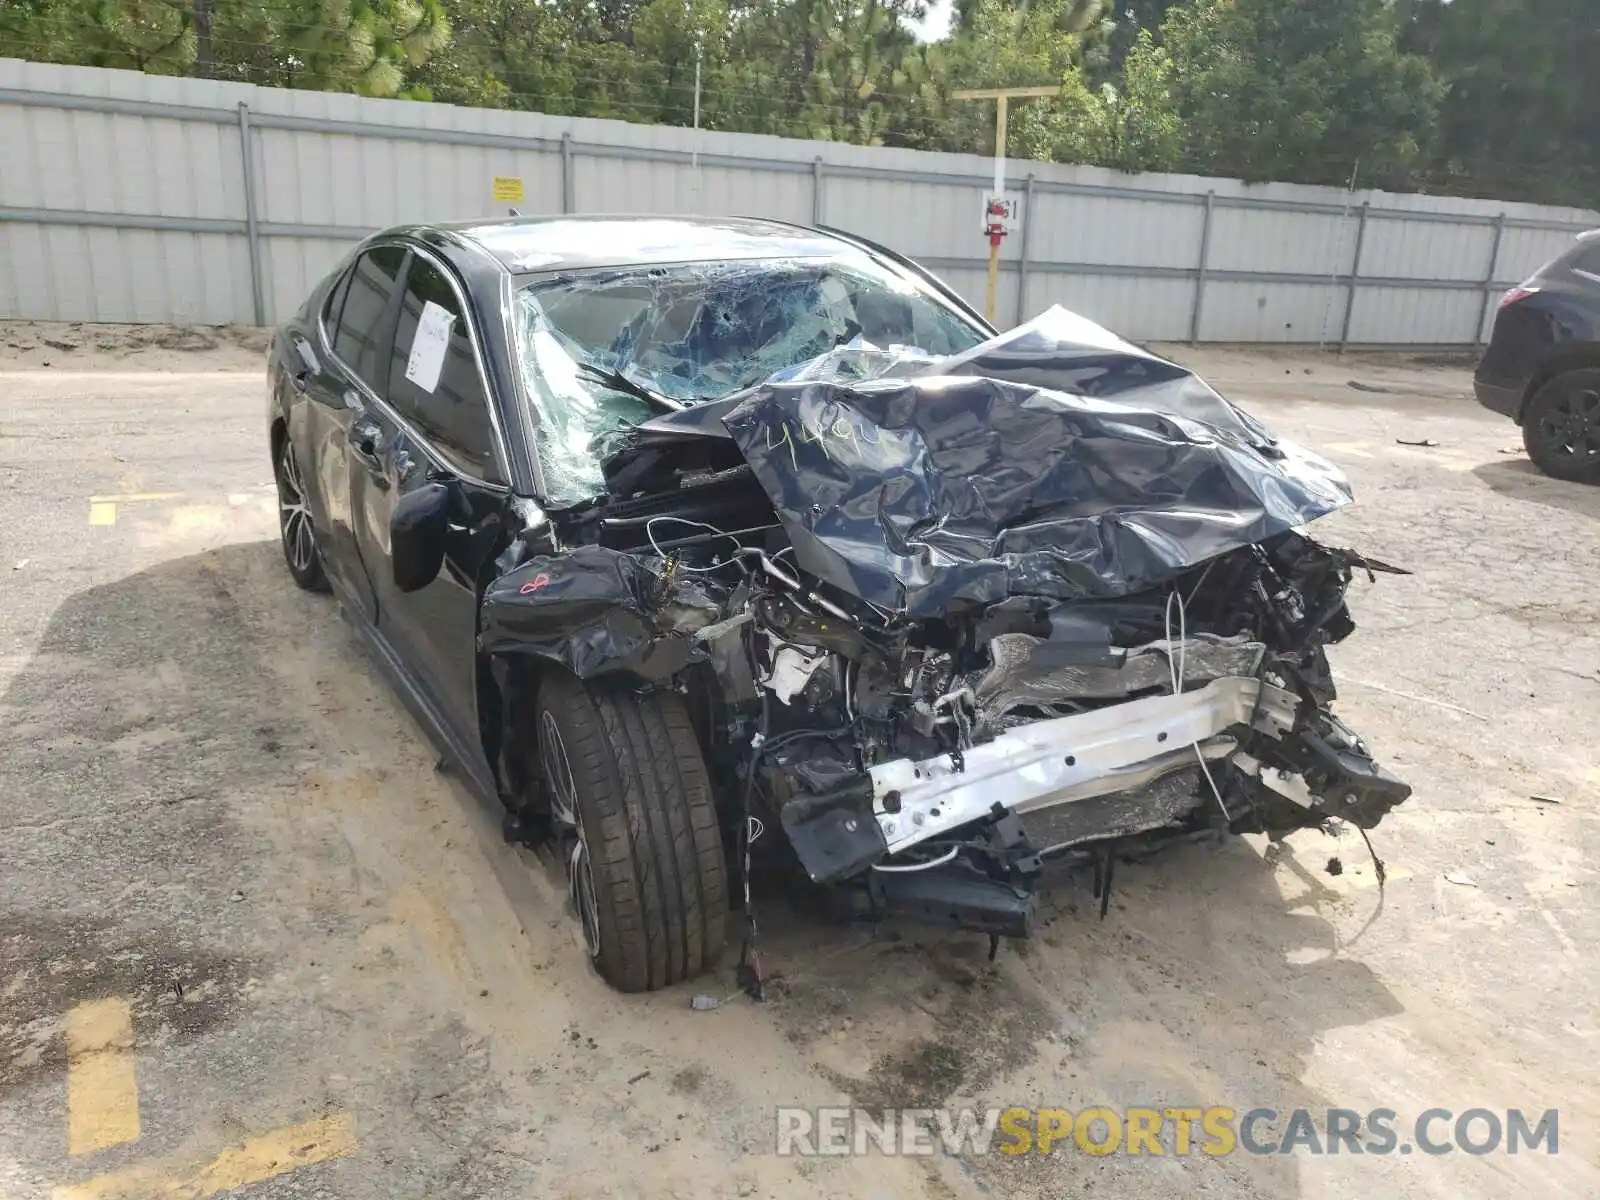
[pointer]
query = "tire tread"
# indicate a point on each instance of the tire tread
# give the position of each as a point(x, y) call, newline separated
point(654, 842)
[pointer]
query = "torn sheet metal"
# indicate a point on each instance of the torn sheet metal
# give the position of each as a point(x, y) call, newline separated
point(1066, 352)
point(597, 611)
point(1030, 671)
point(935, 494)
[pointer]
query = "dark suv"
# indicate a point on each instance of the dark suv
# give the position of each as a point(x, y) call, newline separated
point(1542, 368)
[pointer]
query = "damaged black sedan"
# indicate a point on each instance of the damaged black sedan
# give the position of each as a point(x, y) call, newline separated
point(707, 547)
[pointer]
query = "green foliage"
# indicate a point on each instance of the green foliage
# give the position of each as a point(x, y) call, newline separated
point(1522, 116)
point(1145, 131)
point(1491, 97)
point(1134, 17)
point(1009, 45)
point(364, 46)
point(1298, 89)
point(830, 69)
point(140, 35)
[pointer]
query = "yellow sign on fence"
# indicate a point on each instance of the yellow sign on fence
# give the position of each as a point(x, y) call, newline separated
point(507, 188)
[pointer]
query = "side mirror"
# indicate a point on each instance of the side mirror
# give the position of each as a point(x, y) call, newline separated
point(417, 536)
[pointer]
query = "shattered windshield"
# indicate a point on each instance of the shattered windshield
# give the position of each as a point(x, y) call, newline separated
point(602, 351)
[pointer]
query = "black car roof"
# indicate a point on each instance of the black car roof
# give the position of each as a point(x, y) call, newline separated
point(556, 243)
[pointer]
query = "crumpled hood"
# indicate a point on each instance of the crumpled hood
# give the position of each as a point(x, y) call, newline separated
point(1054, 460)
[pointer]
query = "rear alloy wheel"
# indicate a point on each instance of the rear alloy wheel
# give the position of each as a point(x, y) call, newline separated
point(295, 530)
point(1561, 427)
point(631, 802)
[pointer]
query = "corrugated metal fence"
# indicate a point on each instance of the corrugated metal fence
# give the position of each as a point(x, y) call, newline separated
point(130, 197)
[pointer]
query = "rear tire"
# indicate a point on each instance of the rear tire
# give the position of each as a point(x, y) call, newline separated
point(628, 787)
point(1561, 427)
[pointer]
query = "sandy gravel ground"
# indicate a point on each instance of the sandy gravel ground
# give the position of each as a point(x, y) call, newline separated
point(217, 817)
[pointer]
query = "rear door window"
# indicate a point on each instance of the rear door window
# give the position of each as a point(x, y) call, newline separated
point(359, 334)
point(433, 374)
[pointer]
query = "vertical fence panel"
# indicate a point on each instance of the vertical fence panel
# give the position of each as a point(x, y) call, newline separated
point(247, 156)
point(1024, 250)
point(568, 182)
point(1200, 269)
point(1355, 275)
point(1495, 243)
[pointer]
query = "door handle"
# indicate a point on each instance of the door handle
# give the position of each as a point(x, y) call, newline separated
point(307, 354)
point(366, 443)
point(298, 382)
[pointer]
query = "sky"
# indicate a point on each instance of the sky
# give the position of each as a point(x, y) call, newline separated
point(936, 24)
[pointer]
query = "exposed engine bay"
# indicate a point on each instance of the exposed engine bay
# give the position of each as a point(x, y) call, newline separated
point(942, 622)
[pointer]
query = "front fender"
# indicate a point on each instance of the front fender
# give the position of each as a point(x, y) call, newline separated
point(591, 611)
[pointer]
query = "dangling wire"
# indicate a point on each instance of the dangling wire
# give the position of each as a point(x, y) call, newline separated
point(649, 532)
point(748, 973)
point(906, 868)
point(1377, 863)
point(1176, 662)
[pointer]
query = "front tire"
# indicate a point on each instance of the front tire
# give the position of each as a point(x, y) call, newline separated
point(295, 532)
point(629, 792)
point(1561, 427)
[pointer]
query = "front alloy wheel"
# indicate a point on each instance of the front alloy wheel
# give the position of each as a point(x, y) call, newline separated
point(295, 530)
point(557, 773)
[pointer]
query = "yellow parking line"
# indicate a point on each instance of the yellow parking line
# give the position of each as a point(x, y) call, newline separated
point(103, 509)
point(102, 1097)
point(272, 1154)
point(265, 1157)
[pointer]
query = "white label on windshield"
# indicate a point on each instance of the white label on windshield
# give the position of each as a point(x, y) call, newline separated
point(429, 346)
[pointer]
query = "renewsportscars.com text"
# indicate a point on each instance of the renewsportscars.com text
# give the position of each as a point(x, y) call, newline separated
point(1179, 1131)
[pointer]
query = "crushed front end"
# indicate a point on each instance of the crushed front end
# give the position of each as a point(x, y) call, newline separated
point(965, 756)
point(1051, 599)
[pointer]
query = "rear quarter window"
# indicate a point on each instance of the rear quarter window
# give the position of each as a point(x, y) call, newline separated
point(1587, 260)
